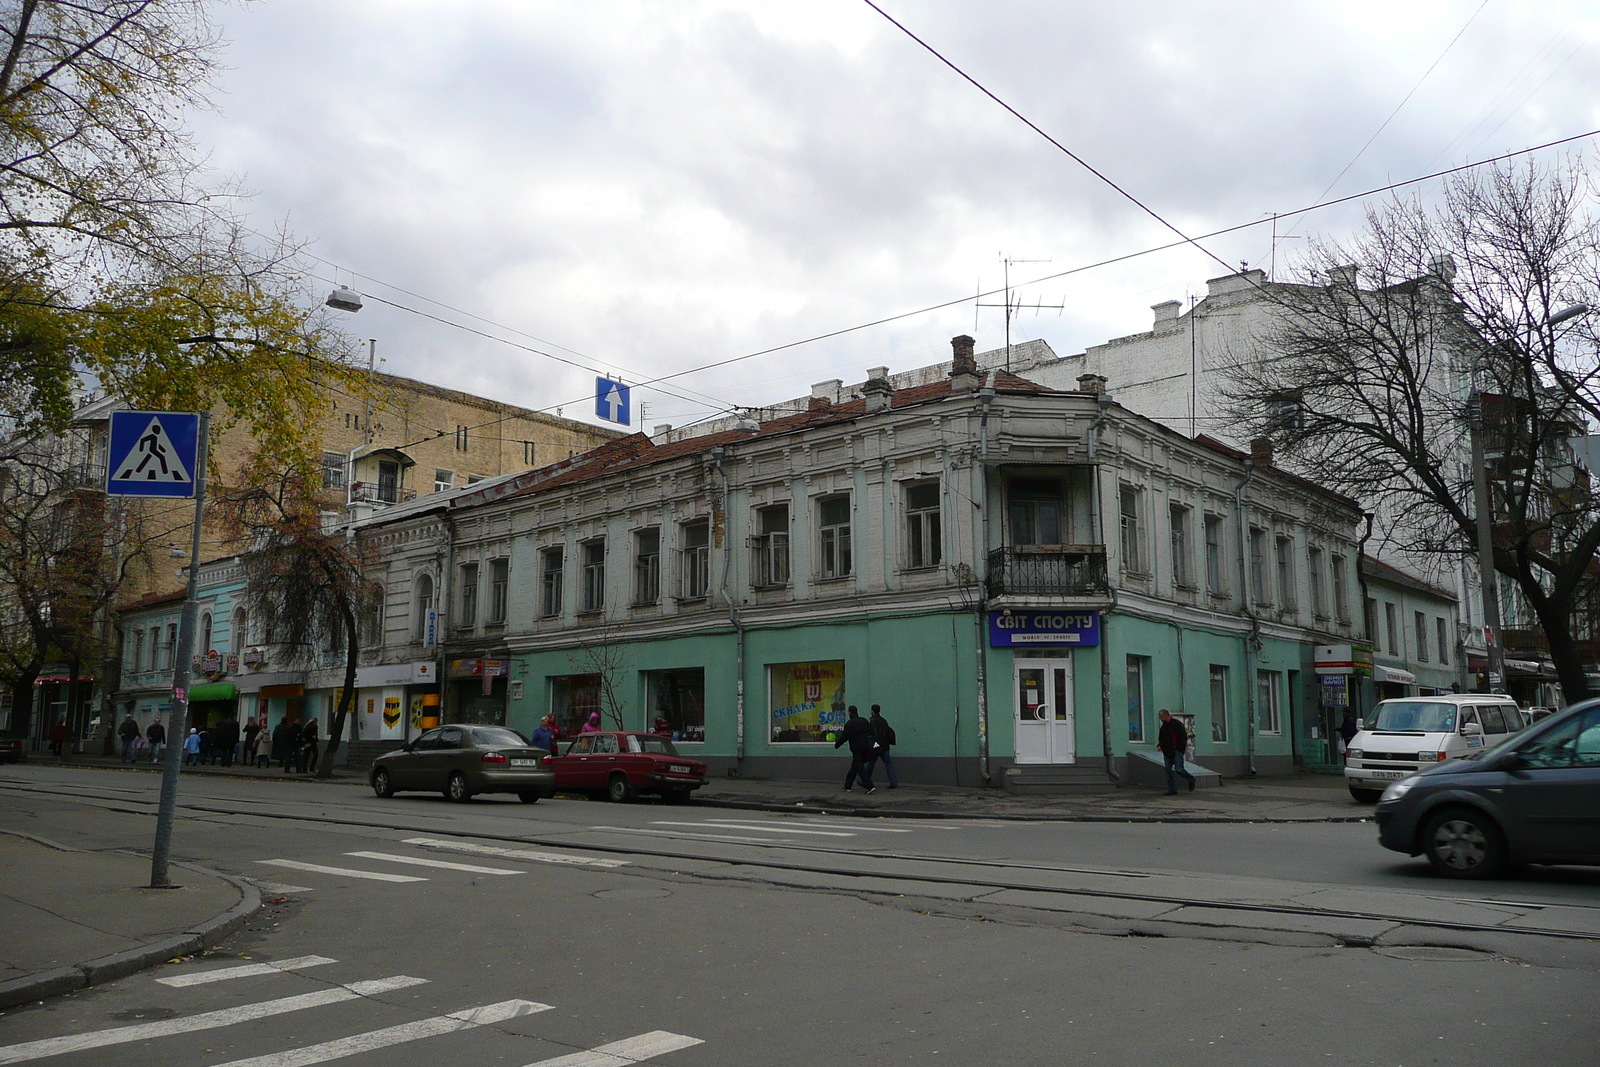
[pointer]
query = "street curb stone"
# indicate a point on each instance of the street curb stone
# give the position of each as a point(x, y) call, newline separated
point(61, 980)
point(904, 813)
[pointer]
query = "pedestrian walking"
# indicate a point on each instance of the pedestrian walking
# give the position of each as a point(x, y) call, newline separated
point(1348, 730)
point(1173, 740)
point(247, 747)
point(308, 746)
point(286, 744)
point(156, 734)
point(191, 746)
point(262, 757)
point(58, 738)
point(857, 733)
point(545, 736)
point(883, 734)
point(129, 733)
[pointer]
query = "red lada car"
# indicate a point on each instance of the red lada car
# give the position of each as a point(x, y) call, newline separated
point(623, 764)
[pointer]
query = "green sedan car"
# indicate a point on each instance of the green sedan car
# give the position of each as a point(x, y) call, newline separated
point(461, 760)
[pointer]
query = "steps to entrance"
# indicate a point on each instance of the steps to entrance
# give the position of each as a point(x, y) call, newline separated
point(1059, 779)
point(1147, 769)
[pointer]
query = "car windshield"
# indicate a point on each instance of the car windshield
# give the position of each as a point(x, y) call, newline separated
point(650, 743)
point(1420, 716)
point(497, 737)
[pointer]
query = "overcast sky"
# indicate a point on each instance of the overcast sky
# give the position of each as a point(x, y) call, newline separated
point(660, 185)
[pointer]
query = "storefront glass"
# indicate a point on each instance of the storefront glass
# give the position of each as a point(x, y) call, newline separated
point(676, 703)
point(806, 700)
point(573, 698)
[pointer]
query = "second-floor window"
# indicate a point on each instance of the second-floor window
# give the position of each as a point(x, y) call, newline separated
point(469, 594)
point(1422, 637)
point(205, 634)
point(136, 662)
point(333, 470)
point(1037, 514)
point(594, 575)
point(156, 655)
point(1179, 520)
point(835, 555)
point(551, 562)
point(1132, 536)
point(923, 535)
point(1214, 572)
point(169, 656)
point(1258, 565)
point(1444, 642)
point(375, 618)
point(647, 565)
point(239, 625)
point(424, 604)
point(696, 559)
point(499, 579)
point(1341, 603)
point(1319, 606)
point(1286, 576)
point(772, 546)
point(1391, 619)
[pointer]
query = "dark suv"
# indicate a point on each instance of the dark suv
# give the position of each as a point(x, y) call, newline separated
point(1533, 798)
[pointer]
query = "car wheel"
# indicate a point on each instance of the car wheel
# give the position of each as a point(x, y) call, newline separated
point(1366, 796)
point(456, 788)
point(529, 798)
point(1461, 843)
point(381, 784)
point(675, 796)
point(618, 789)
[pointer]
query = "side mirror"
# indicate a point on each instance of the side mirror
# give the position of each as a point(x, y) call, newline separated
point(1511, 761)
point(407, 747)
point(1471, 729)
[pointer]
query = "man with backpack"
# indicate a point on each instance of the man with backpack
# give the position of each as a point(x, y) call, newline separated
point(883, 733)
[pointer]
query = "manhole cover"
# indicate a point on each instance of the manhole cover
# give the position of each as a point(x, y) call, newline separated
point(1434, 954)
point(632, 894)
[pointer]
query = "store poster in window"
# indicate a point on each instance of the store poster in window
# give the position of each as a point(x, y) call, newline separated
point(807, 700)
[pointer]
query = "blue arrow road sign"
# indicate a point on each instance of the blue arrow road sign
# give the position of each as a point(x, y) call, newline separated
point(611, 401)
point(152, 453)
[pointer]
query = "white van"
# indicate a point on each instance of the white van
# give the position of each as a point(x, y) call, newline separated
point(1403, 736)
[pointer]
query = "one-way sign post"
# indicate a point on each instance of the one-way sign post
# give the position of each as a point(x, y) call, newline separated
point(163, 453)
point(611, 401)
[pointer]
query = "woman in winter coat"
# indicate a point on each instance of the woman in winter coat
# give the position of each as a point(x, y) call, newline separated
point(593, 725)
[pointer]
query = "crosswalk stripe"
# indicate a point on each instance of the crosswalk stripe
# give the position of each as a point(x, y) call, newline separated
point(486, 1015)
point(627, 1051)
point(209, 1020)
point(417, 861)
point(754, 827)
point(248, 970)
point(371, 876)
point(516, 853)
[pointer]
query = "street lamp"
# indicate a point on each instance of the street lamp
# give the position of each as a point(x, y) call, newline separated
point(344, 299)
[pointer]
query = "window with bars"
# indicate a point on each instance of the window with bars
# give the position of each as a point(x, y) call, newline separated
point(836, 556)
point(594, 575)
point(771, 546)
point(924, 541)
point(647, 566)
point(695, 575)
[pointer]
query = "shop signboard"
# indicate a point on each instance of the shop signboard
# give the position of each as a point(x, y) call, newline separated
point(1343, 659)
point(1021, 627)
point(1335, 690)
point(807, 700)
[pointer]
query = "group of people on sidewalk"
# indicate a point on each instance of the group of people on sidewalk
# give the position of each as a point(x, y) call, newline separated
point(292, 745)
point(870, 741)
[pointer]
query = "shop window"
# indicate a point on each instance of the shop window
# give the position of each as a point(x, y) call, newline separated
point(1269, 702)
point(647, 566)
point(1219, 704)
point(594, 575)
point(1138, 694)
point(836, 551)
point(924, 537)
point(499, 582)
point(676, 702)
point(1038, 515)
point(551, 563)
point(772, 546)
point(469, 595)
point(573, 698)
point(696, 559)
point(806, 701)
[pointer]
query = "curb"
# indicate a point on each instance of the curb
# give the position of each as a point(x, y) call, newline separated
point(203, 935)
point(904, 813)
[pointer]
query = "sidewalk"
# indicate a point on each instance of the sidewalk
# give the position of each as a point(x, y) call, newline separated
point(110, 925)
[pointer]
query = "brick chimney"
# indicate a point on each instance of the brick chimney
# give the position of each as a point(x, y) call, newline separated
point(823, 394)
point(1261, 451)
point(877, 391)
point(963, 365)
point(1092, 383)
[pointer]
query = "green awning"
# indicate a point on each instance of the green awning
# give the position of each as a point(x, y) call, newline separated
point(214, 691)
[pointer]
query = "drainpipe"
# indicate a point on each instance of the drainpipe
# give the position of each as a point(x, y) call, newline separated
point(1092, 437)
point(985, 398)
point(733, 611)
point(1255, 624)
point(444, 600)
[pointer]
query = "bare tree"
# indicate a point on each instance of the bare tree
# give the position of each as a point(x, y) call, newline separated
point(1378, 351)
point(305, 585)
point(599, 653)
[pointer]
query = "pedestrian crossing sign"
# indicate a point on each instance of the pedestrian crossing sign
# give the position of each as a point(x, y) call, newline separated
point(152, 453)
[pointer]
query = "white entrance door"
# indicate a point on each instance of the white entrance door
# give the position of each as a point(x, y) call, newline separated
point(1044, 719)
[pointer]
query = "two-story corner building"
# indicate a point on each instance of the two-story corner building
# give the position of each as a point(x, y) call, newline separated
point(1417, 642)
point(1021, 577)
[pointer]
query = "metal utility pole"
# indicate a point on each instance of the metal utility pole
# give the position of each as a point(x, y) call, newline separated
point(1486, 573)
point(182, 655)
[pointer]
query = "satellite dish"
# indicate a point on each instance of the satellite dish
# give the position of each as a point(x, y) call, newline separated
point(344, 299)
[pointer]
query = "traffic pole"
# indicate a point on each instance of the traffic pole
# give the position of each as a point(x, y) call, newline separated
point(179, 712)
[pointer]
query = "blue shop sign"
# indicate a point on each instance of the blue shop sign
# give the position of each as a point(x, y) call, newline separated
point(1011, 629)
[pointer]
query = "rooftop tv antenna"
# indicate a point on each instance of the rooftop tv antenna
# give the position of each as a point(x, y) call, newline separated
point(1016, 308)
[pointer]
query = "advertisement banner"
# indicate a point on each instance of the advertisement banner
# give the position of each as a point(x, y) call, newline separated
point(1023, 627)
point(806, 700)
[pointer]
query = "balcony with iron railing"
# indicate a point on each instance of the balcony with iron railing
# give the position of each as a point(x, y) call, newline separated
point(1048, 571)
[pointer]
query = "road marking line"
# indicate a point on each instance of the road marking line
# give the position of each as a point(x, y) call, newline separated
point(853, 826)
point(515, 853)
point(280, 887)
point(486, 1015)
point(418, 861)
point(627, 1051)
point(760, 828)
point(374, 876)
point(683, 833)
point(209, 1020)
point(248, 970)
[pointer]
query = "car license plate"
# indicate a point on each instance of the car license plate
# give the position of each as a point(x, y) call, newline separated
point(524, 763)
point(675, 769)
point(1387, 775)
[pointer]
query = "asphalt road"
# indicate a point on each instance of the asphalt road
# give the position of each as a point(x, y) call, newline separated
point(683, 935)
